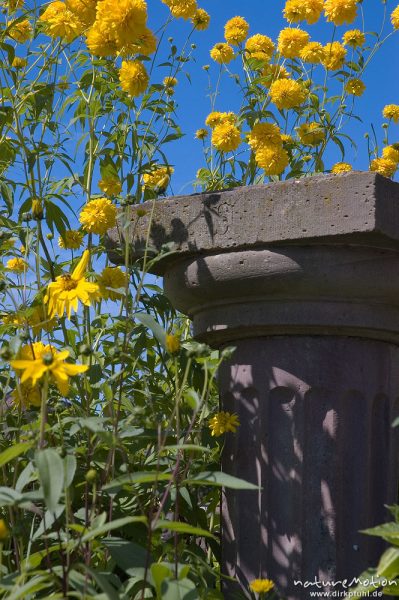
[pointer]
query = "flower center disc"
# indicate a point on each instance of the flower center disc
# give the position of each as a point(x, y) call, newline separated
point(68, 283)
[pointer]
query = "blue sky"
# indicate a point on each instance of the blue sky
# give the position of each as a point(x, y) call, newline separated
point(265, 16)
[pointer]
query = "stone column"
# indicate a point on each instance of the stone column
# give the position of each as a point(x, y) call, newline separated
point(302, 277)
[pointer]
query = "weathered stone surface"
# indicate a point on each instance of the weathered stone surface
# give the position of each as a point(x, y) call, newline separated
point(355, 208)
point(303, 279)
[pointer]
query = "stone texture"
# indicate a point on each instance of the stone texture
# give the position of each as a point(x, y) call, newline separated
point(302, 278)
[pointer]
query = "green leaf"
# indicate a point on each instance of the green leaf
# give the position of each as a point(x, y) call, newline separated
point(14, 452)
point(154, 326)
point(139, 477)
point(96, 532)
point(389, 563)
point(159, 573)
point(128, 555)
point(220, 479)
point(387, 531)
point(180, 527)
point(51, 476)
point(35, 584)
point(184, 589)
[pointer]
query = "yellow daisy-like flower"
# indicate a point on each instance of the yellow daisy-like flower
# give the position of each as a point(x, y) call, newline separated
point(334, 56)
point(85, 10)
point(341, 167)
point(170, 81)
point(133, 77)
point(201, 19)
point(354, 38)
point(111, 186)
point(384, 166)
point(226, 137)
point(19, 63)
point(51, 363)
point(291, 41)
point(355, 87)
point(184, 9)
point(32, 351)
point(65, 293)
point(223, 422)
point(272, 159)
point(391, 153)
point(391, 111)
point(38, 319)
point(21, 31)
point(201, 134)
point(59, 21)
point(287, 139)
point(311, 134)
point(145, 43)
point(312, 53)
point(264, 134)
point(395, 17)
point(110, 280)
point(98, 216)
point(71, 239)
point(287, 93)
point(17, 265)
point(172, 343)
point(303, 10)
point(260, 47)
point(222, 53)
point(101, 43)
point(216, 118)
point(124, 20)
point(4, 531)
point(236, 30)
point(272, 72)
point(261, 586)
point(158, 180)
point(340, 11)
point(27, 395)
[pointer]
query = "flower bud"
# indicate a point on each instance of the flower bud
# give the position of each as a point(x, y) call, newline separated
point(91, 476)
point(4, 531)
point(172, 343)
point(37, 209)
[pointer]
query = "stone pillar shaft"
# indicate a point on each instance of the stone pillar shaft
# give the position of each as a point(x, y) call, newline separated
point(302, 278)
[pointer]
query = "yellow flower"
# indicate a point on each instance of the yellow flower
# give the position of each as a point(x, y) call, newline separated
point(287, 93)
point(226, 137)
point(184, 9)
point(201, 19)
point(391, 111)
point(101, 43)
point(354, 38)
point(20, 32)
point(303, 10)
point(170, 81)
point(287, 139)
point(312, 53)
point(158, 180)
point(341, 167)
point(59, 21)
point(311, 134)
point(71, 240)
point(260, 47)
point(236, 30)
point(272, 159)
point(19, 63)
point(67, 290)
point(264, 134)
point(340, 11)
point(17, 265)
point(146, 44)
point(85, 10)
point(355, 87)
point(291, 42)
point(391, 153)
point(395, 18)
point(223, 422)
point(261, 586)
point(272, 72)
point(4, 531)
point(384, 166)
point(222, 53)
point(51, 363)
point(201, 134)
point(124, 21)
point(14, 4)
point(114, 278)
point(27, 395)
point(98, 216)
point(172, 343)
point(334, 56)
point(216, 118)
point(133, 77)
point(111, 186)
